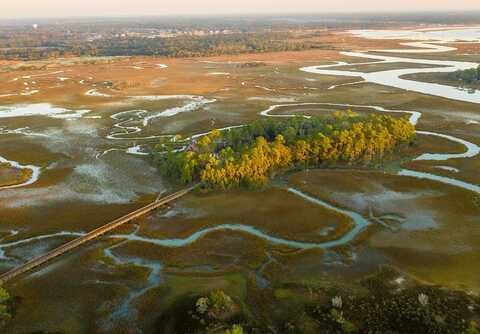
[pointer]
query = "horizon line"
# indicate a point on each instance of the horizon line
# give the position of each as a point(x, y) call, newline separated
point(240, 14)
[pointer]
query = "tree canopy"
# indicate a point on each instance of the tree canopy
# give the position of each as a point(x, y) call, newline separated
point(250, 155)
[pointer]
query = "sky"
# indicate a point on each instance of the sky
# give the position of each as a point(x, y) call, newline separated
point(73, 8)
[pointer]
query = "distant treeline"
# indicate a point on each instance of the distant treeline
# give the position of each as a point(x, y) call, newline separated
point(180, 46)
point(249, 155)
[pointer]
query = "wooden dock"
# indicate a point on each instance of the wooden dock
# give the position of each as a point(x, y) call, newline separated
point(36, 262)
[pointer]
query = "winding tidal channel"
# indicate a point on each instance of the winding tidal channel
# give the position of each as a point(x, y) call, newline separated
point(123, 131)
point(128, 124)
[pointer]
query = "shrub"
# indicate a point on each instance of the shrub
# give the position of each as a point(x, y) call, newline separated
point(236, 329)
point(219, 300)
point(5, 315)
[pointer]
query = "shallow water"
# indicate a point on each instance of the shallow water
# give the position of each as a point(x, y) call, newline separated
point(449, 168)
point(393, 78)
point(471, 34)
point(472, 149)
point(124, 312)
point(119, 178)
point(442, 179)
point(35, 173)
point(360, 223)
point(40, 109)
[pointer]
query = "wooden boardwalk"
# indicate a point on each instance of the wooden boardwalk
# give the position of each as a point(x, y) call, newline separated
point(36, 262)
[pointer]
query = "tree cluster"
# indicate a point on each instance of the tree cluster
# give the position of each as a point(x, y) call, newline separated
point(470, 76)
point(179, 46)
point(250, 155)
point(216, 313)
